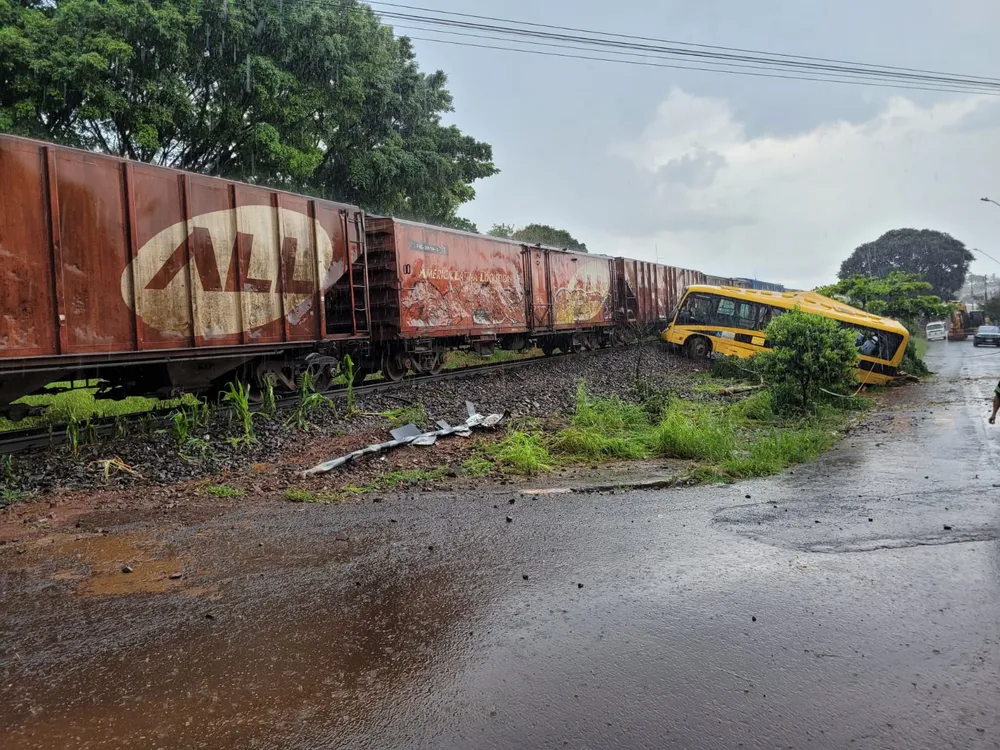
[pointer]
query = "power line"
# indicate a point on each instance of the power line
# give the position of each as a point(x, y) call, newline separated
point(837, 71)
point(596, 42)
point(865, 82)
point(718, 67)
point(675, 42)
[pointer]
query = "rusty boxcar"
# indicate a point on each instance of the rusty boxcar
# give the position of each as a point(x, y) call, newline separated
point(433, 289)
point(155, 280)
point(648, 293)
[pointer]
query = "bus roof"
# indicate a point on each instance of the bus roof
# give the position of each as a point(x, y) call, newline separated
point(808, 302)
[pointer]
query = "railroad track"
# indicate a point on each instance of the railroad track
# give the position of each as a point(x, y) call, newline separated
point(33, 438)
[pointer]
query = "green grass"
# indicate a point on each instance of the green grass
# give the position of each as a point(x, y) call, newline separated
point(605, 428)
point(305, 496)
point(224, 490)
point(477, 466)
point(521, 453)
point(59, 408)
point(726, 441)
point(920, 346)
point(457, 359)
point(394, 479)
point(412, 414)
point(9, 496)
point(703, 434)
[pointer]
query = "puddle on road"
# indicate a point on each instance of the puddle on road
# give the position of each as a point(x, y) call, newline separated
point(97, 562)
point(329, 656)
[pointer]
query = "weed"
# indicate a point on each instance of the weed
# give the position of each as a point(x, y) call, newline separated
point(605, 428)
point(310, 403)
point(114, 464)
point(268, 402)
point(224, 490)
point(304, 496)
point(349, 374)
point(654, 401)
point(412, 414)
point(89, 431)
point(238, 395)
point(774, 452)
point(522, 452)
point(73, 434)
point(701, 434)
point(708, 475)
point(477, 466)
point(180, 427)
point(8, 468)
point(9, 496)
point(393, 479)
point(121, 426)
point(194, 450)
point(757, 408)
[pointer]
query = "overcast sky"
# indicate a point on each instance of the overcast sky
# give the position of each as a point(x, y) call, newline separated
point(728, 174)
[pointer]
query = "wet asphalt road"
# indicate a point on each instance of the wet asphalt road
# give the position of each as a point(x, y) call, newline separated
point(831, 608)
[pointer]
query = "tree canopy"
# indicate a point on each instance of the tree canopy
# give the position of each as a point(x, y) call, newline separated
point(937, 257)
point(903, 296)
point(319, 98)
point(539, 234)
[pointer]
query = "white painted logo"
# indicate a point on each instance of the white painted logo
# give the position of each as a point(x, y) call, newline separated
point(235, 272)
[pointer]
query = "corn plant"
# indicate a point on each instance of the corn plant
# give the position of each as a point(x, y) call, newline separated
point(349, 373)
point(310, 403)
point(269, 404)
point(238, 396)
point(180, 426)
point(195, 450)
point(73, 434)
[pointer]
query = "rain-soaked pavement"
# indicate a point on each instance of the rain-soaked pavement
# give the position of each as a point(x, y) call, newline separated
point(851, 603)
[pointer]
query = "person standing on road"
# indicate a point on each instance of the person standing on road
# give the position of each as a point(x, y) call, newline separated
point(996, 404)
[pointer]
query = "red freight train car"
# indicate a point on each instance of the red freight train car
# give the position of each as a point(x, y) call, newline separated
point(155, 280)
point(648, 293)
point(434, 289)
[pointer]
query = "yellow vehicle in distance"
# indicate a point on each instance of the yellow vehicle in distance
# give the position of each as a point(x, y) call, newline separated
point(731, 321)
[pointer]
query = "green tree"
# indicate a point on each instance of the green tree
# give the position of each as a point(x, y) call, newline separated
point(937, 257)
point(903, 296)
point(539, 234)
point(315, 97)
point(810, 356)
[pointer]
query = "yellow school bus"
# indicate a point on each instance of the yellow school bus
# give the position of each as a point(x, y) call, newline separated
point(730, 320)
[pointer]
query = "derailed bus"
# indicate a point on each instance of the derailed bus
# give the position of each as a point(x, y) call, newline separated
point(731, 321)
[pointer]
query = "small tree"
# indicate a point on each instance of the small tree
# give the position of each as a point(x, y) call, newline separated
point(810, 354)
point(906, 297)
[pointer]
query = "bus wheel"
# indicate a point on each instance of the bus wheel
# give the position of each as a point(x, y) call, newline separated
point(698, 347)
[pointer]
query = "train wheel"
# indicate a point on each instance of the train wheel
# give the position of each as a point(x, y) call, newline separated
point(698, 347)
point(548, 349)
point(438, 365)
point(393, 367)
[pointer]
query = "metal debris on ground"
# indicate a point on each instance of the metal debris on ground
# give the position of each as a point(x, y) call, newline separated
point(412, 435)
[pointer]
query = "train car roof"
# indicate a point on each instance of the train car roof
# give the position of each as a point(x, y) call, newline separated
point(476, 235)
point(807, 301)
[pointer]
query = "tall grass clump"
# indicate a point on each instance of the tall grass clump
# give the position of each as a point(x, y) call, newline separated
point(310, 403)
point(774, 452)
point(522, 453)
point(605, 427)
point(237, 395)
point(697, 432)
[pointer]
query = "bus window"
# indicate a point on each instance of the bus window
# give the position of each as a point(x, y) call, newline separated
point(697, 310)
point(874, 343)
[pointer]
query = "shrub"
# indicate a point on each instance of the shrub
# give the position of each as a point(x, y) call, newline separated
point(810, 355)
point(735, 368)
